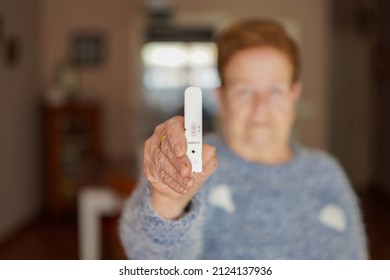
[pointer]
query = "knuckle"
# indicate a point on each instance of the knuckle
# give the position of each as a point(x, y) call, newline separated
point(164, 147)
point(158, 129)
point(169, 181)
point(160, 159)
point(171, 125)
point(163, 176)
point(174, 124)
point(177, 164)
point(177, 118)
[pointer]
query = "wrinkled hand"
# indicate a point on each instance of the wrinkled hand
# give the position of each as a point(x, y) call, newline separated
point(168, 169)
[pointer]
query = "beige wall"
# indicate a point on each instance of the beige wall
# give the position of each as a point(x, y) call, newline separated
point(20, 192)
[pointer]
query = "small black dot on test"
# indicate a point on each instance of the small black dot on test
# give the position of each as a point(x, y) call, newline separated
point(193, 151)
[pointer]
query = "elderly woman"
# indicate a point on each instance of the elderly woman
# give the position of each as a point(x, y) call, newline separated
point(269, 198)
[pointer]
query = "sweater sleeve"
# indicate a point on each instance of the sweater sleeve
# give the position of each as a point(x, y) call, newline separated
point(146, 235)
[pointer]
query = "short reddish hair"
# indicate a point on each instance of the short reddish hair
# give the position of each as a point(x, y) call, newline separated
point(256, 33)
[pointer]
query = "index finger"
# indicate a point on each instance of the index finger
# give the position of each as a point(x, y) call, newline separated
point(176, 135)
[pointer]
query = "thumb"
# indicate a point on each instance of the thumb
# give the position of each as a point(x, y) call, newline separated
point(209, 163)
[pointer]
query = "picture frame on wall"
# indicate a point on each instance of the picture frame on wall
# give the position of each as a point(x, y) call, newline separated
point(12, 50)
point(10, 46)
point(87, 48)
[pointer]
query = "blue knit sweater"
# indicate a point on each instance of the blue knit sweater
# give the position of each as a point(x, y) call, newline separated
point(303, 209)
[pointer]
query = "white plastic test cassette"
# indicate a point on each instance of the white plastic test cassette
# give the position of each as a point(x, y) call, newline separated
point(193, 126)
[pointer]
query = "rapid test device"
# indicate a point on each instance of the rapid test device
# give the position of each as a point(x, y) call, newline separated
point(193, 126)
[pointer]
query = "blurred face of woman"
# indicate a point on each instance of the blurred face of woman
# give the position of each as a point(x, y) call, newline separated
point(258, 104)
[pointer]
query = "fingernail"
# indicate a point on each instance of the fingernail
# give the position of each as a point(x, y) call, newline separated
point(177, 150)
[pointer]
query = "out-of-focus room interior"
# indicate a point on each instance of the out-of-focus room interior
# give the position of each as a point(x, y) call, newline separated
point(84, 82)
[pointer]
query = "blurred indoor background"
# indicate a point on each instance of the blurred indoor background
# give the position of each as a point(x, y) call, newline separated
point(83, 83)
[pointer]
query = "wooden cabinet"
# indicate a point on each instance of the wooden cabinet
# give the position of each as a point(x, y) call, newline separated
point(72, 154)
